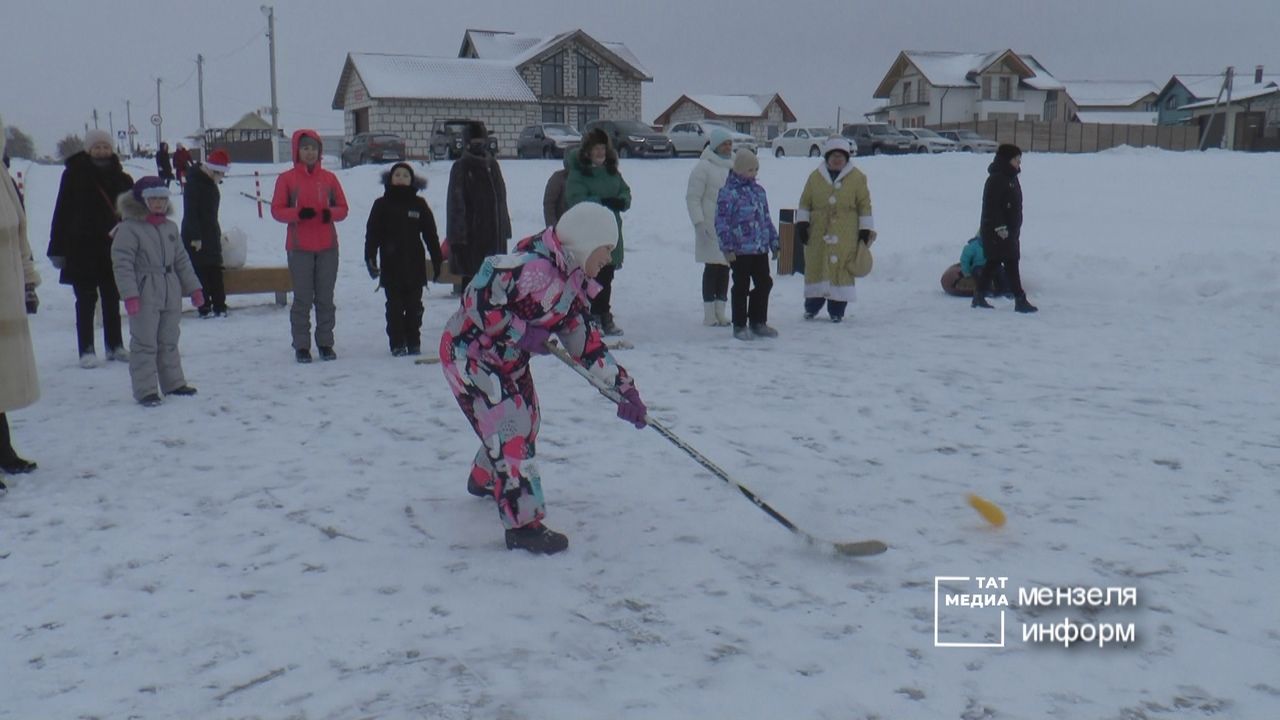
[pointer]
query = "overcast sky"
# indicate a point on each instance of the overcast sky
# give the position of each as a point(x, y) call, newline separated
point(60, 59)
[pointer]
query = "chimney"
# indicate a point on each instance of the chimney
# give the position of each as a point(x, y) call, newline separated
point(1257, 75)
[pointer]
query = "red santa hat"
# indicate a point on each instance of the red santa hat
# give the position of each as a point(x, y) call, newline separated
point(218, 161)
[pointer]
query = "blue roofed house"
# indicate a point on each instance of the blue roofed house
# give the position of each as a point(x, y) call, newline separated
point(1188, 89)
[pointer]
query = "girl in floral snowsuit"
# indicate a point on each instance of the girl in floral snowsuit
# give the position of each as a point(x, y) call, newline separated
point(508, 312)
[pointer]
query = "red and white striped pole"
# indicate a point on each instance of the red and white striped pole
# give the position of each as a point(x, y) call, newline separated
point(257, 190)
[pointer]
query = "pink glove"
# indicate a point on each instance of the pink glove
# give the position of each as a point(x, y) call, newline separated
point(133, 306)
point(534, 340)
point(632, 409)
point(197, 298)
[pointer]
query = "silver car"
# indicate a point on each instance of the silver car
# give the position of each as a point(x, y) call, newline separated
point(970, 141)
point(692, 137)
point(928, 141)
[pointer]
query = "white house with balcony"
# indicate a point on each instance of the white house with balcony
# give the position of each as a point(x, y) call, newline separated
point(925, 88)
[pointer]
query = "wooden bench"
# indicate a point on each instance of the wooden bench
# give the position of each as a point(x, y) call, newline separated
point(252, 280)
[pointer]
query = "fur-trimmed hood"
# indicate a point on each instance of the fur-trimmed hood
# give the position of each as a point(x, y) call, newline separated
point(419, 182)
point(131, 209)
point(583, 157)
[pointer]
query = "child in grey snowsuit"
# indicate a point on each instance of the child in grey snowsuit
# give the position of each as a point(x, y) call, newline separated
point(153, 271)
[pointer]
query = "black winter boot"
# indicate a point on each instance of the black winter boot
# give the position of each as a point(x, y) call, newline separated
point(537, 539)
point(1021, 305)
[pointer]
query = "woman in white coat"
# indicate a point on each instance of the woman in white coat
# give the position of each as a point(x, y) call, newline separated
point(705, 181)
point(18, 280)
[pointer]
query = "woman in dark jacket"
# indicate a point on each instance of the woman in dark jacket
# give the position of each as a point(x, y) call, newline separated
point(478, 222)
point(80, 243)
point(594, 177)
point(164, 168)
point(1001, 228)
point(400, 223)
point(201, 232)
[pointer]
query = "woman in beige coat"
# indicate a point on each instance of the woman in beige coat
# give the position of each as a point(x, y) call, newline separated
point(705, 181)
point(835, 225)
point(18, 280)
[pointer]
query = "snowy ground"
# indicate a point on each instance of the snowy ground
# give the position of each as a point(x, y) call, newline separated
point(296, 542)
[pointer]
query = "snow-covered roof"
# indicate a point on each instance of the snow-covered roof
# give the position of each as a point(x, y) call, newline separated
point(960, 69)
point(1109, 93)
point(1238, 94)
point(744, 106)
point(520, 49)
point(1207, 86)
point(1118, 117)
point(418, 76)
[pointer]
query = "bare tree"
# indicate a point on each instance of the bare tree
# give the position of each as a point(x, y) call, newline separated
point(69, 145)
point(19, 144)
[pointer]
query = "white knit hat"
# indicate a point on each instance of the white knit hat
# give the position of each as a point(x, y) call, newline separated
point(837, 144)
point(95, 136)
point(583, 228)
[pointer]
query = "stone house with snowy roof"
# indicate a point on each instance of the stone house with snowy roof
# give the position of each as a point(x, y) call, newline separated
point(763, 116)
point(506, 80)
point(924, 88)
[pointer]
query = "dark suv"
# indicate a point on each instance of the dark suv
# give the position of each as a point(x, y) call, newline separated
point(632, 138)
point(450, 137)
point(877, 139)
point(372, 147)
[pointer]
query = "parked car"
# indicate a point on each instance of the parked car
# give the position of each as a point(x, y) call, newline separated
point(450, 137)
point(924, 140)
point(367, 148)
point(802, 141)
point(877, 139)
point(548, 140)
point(970, 141)
point(692, 137)
point(632, 138)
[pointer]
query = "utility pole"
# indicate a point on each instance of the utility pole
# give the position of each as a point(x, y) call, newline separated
point(111, 123)
point(270, 12)
point(200, 86)
point(95, 118)
point(128, 118)
point(1229, 131)
point(159, 125)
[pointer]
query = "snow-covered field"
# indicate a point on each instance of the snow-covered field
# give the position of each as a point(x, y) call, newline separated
point(296, 541)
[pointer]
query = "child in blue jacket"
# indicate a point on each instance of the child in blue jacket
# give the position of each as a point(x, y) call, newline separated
point(747, 238)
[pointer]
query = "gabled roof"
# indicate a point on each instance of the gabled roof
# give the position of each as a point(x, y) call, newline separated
point(1110, 93)
point(520, 49)
point(1206, 87)
point(961, 69)
point(736, 106)
point(419, 76)
point(1238, 94)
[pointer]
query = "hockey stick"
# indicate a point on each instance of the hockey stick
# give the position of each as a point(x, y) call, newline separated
point(857, 549)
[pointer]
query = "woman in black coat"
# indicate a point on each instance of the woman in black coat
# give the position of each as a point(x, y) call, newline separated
point(1001, 228)
point(400, 223)
point(202, 234)
point(80, 241)
point(164, 167)
point(478, 222)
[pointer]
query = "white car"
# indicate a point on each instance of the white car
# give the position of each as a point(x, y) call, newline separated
point(970, 141)
point(928, 141)
point(801, 141)
point(692, 137)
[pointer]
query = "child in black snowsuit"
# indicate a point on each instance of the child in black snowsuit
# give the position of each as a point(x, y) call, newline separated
point(400, 223)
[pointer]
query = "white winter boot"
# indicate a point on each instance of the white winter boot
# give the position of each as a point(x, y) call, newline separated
point(721, 319)
point(709, 314)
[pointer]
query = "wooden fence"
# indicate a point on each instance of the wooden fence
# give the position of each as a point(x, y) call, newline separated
point(1075, 137)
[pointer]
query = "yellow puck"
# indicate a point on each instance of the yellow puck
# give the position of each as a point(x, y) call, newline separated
point(987, 509)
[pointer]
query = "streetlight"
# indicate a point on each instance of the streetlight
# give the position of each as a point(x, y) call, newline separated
point(270, 12)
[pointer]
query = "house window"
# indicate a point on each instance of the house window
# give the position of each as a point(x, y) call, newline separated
point(1171, 103)
point(1050, 104)
point(586, 114)
point(552, 113)
point(553, 76)
point(922, 94)
point(1006, 90)
point(986, 87)
point(743, 127)
point(906, 92)
point(772, 132)
point(588, 77)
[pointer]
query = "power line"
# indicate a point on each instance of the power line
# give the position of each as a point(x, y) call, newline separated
point(256, 34)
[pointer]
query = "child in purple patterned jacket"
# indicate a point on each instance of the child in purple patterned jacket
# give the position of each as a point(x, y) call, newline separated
point(747, 239)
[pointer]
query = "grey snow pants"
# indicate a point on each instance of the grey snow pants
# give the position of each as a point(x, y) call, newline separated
point(153, 350)
point(314, 275)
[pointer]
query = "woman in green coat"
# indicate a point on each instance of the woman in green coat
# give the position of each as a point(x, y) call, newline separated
point(834, 223)
point(594, 177)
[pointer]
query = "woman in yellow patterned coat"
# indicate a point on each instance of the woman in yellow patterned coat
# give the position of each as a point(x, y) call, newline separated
point(834, 223)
